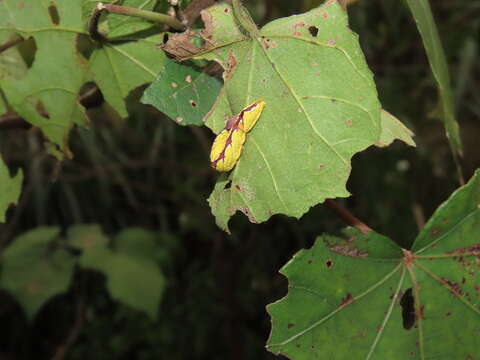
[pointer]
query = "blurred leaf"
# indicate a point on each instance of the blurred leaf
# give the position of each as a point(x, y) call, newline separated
point(393, 129)
point(33, 272)
point(298, 154)
point(351, 299)
point(48, 95)
point(133, 277)
point(182, 93)
point(120, 68)
point(10, 188)
point(428, 30)
point(136, 242)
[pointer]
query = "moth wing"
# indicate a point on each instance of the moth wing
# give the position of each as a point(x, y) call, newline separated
point(219, 144)
point(251, 114)
point(230, 152)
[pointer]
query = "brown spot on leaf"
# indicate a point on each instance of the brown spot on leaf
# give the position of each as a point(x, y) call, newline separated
point(348, 251)
point(329, 263)
point(349, 122)
point(454, 287)
point(247, 212)
point(289, 326)
point(188, 79)
point(193, 103)
point(331, 41)
point(470, 250)
point(174, 85)
point(347, 300)
point(325, 15)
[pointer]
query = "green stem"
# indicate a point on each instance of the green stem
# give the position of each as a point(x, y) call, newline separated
point(244, 19)
point(144, 14)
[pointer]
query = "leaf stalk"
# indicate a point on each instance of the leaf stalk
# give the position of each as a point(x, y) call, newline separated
point(143, 14)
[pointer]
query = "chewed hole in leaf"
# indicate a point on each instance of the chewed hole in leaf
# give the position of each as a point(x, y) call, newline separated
point(313, 31)
point(165, 38)
point(407, 303)
point(84, 46)
point(228, 185)
point(53, 13)
point(90, 95)
point(40, 108)
point(329, 263)
point(28, 51)
point(193, 103)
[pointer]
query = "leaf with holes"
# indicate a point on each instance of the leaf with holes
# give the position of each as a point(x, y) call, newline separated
point(322, 107)
point(182, 93)
point(48, 95)
point(363, 297)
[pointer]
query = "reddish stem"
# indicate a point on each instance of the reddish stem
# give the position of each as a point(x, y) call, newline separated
point(348, 217)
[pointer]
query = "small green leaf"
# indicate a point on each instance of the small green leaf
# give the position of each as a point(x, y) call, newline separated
point(11, 187)
point(182, 93)
point(133, 277)
point(393, 129)
point(428, 30)
point(33, 272)
point(349, 298)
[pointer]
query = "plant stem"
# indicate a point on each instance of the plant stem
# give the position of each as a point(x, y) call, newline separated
point(348, 217)
point(144, 14)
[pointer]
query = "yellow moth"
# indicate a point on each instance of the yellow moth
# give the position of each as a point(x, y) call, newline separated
point(228, 144)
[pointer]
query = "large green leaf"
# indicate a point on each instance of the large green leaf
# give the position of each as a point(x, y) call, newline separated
point(426, 25)
point(352, 298)
point(10, 189)
point(321, 107)
point(133, 277)
point(48, 95)
point(33, 272)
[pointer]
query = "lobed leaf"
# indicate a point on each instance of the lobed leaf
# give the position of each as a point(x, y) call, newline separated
point(350, 298)
point(299, 152)
point(33, 273)
point(47, 95)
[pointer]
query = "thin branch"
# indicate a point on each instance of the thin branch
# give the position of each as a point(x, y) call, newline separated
point(74, 332)
point(348, 217)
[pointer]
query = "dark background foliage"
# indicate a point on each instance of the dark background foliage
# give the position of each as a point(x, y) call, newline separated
point(148, 172)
